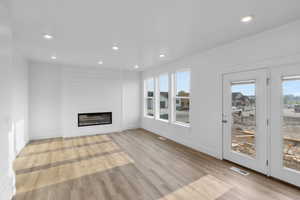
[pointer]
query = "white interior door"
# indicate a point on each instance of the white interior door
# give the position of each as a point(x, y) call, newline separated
point(245, 119)
point(285, 124)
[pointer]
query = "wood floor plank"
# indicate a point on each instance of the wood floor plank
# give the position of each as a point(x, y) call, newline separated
point(143, 168)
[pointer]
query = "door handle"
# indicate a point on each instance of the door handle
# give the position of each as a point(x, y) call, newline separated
point(224, 121)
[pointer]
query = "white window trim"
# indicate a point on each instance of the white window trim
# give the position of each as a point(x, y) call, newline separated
point(187, 125)
point(174, 97)
point(163, 120)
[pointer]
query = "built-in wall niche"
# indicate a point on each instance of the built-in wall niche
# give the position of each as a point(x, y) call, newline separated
point(94, 119)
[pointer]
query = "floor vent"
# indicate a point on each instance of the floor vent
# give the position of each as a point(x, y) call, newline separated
point(162, 138)
point(240, 171)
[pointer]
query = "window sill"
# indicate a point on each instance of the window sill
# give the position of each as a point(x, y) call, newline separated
point(182, 124)
point(149, 117)
point(185, 125)
point(163, 120)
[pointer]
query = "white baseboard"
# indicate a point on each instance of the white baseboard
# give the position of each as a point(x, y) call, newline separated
point(131, 126)
point(205, 150)
point(44, 137)
point(88, 133)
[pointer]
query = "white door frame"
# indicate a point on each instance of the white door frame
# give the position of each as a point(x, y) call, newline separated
point(260, 163)
point(274, 69)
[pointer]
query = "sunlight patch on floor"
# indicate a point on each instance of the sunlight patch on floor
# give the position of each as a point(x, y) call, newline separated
point(35, 180)
point(35, 160)
point(62, 143)
point(206, 188)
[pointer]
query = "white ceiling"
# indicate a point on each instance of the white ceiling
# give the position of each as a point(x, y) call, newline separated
point(85, 31)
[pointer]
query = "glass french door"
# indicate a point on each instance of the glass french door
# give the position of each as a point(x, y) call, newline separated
point(245, 119)
point(285, 124)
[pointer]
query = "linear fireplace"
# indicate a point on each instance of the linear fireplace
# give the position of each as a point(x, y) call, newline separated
point(93, 119)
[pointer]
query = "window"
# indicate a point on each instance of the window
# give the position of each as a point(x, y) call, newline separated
point(163, 97)
point(159, 108)
point(149, 97)
point(182, 97)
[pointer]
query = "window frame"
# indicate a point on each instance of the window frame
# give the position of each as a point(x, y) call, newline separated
point(175, 97)
point(172, 87)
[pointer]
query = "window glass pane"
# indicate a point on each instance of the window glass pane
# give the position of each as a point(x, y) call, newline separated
point(149, 97)
point(150, 107)
point(150, 87)
point(164, 97)
point(291, 122)
point(182, 110)
point(183, 84)
point(243, 115)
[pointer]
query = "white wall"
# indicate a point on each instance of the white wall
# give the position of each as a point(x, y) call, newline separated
point(274, 47)
point(6, 143)
point(57, 93)
point(131, 100)
point(13, 105)
point(88, 89)
point(20, 101)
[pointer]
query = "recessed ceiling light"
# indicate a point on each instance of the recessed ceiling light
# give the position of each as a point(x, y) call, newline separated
point(53, 57)
point(48, 36)
point(136, 66)
point(162, 55)
point(100, 62)
point(247, 19)
point(116, 48)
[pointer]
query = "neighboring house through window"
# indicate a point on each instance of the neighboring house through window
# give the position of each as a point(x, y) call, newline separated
point(182, 97)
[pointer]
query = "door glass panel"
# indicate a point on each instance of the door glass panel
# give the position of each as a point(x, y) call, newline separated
point(243, 125)
point(290, 129)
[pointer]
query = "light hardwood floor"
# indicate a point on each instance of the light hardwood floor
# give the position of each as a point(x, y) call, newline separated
point(134, 165)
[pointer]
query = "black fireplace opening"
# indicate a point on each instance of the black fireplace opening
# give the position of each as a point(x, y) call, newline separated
point(94, 119)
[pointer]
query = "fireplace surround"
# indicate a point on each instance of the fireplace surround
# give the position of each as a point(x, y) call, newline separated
point(94, 119)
